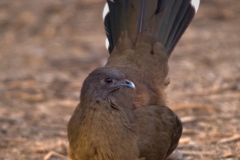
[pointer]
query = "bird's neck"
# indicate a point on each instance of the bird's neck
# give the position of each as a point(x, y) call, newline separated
point(107, 134)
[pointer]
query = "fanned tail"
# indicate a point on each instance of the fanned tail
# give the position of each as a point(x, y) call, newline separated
point(166, 19)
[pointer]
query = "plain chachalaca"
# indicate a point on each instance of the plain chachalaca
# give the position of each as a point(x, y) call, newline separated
point(122, 114)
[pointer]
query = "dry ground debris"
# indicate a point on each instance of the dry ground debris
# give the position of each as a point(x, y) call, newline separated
point(48, 47)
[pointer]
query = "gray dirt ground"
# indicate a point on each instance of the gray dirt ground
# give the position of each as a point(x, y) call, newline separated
point(47, 48)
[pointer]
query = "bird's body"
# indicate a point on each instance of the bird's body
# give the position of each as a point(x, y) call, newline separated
point(113, 121)
point(102, 128)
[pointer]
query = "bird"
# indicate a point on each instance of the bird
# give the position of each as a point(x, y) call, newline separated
point(123, 113)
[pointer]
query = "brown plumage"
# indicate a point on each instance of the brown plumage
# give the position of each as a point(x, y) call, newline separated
point(122, 114)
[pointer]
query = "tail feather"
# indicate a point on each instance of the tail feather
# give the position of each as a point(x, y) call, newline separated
point(111, 18)
point(174, 13)
point(166, 19)
point(181, 29)
point(142, 17)
point(179, 17)
point(108, 29)
point(121, 18)
point(161, 6)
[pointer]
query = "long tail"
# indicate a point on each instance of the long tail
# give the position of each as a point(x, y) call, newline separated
point(166, 19)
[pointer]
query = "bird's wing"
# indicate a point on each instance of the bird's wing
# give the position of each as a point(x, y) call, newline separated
point(159, 131)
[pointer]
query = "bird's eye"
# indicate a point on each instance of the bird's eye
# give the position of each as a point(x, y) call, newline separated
point(108, 80)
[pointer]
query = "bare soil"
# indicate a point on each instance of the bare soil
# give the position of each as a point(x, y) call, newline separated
point(47, 48)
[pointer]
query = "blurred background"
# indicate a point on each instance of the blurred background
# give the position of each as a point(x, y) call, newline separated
point(48, 47)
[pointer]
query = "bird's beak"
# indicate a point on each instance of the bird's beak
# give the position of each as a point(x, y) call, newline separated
point(127, 83)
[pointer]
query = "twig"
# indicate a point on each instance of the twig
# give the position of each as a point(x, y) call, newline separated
point(230, 139)
point(185, 140)
point(188, 119)
point(177, 107)
point(227, 96)
point(213, 90)
point(54, 155)
point(18, 139)
point(227, 154)
point(206, 153)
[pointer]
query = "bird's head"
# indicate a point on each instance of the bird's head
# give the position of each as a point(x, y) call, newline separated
point(102, 83)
